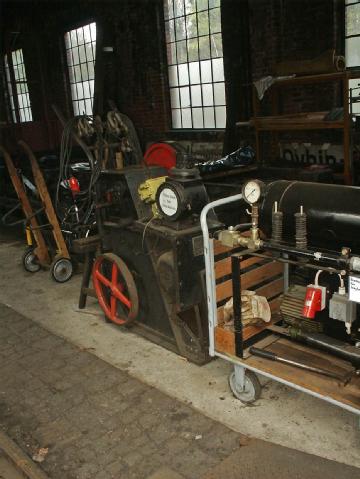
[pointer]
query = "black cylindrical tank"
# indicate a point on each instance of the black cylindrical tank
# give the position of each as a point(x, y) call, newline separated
point(333, 212)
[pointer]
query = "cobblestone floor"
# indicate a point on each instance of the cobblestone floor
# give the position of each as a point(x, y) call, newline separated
point(96, 420)
point(100, 423)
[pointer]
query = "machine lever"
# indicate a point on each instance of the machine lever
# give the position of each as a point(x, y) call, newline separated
point(263, 353)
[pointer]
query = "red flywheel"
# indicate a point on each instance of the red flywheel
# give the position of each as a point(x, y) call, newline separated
point(115, 289)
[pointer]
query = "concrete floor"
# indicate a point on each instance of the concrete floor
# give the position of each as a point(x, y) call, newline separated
point(283, 416)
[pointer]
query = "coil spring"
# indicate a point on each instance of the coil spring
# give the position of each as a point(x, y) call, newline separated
point(277, 226)
point(301, 230)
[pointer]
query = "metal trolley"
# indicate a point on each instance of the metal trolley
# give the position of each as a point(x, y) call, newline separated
point(223, 279)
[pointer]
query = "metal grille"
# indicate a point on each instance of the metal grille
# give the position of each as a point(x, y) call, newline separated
point(21, 86)
point(80, 45)
point(195, 63)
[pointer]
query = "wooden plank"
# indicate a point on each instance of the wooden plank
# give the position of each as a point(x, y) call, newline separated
point(327, 387)
point(45, 197)
point(41, 249)
point(272, 289)
point(249, 279)
point(223, 267)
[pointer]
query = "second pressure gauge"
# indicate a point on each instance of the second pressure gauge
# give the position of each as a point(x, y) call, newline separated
point(252, 191)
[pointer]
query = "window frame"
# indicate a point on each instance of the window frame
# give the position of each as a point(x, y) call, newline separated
point(208, 35)
point(14, 114)
point(68, 84)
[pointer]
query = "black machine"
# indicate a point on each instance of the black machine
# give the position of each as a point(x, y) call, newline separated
point(151, 222)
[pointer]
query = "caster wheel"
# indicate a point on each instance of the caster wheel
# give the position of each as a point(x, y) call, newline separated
point(252, 388)
point(61, 270)
point(29, 261)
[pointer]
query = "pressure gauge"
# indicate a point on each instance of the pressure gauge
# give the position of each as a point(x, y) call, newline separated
point(252, 191)
point(168, 201)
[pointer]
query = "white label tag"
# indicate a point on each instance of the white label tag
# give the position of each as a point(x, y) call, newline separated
point(354, 288)
point(168, 202)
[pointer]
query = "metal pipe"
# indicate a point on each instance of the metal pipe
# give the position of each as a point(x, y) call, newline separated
point(209, 265)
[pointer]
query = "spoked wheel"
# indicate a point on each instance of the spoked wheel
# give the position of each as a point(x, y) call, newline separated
point(30, 261)
point(61, 269)
point(251, 389)
point(115, 289)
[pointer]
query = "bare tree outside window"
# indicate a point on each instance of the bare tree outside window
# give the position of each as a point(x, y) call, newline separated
point(80, 45)
point(195, 63)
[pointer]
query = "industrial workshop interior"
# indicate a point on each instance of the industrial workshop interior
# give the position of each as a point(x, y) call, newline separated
point(180, 239)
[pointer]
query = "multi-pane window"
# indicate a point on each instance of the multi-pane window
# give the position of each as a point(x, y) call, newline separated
point(80, 46)
point(21, 107)
point(195, 63)
point(352, 45)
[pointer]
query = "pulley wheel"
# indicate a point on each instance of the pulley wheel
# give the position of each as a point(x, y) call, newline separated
point(30, 261)
point(115, 289)
point(61, 269)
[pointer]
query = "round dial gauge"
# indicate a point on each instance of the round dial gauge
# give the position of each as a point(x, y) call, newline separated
point(252, 191)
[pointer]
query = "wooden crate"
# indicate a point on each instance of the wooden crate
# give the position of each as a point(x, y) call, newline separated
point(262, 275)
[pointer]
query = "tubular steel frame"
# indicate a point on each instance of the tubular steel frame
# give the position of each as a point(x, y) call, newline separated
point(239, 365)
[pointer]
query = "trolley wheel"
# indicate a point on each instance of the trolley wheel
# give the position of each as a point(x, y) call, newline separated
point(61, 269)
point(30, 261)
point(115, 289)
point(251, 390)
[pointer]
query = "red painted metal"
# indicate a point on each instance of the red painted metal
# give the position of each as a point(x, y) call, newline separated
point(115, 286)
point(161, 154)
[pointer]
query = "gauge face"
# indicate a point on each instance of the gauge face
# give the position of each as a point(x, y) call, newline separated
point(168, 202)
point(252, 191)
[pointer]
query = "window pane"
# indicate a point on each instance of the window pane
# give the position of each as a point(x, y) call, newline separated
point(352, 52)
point(82, 54)
point(180, 28)
point(181, 51)
point(178, 8)
point(190, 6)
point(214, 3)
point(194, 70)
point(186, 118)
point(173, 79)
point(183, 74)
point(174, 98)
point(215, 22)
point(197, 116)
point(218, 69)
point(202, 5)
point(216, 45)
point(207, 91)
point(209, 117)
point(176, 118)
point(193, 49)
point(204, 48)
point(168, 9)
point(220, 114)
point(191, 26)
point(185, 97)
point(219, 93)
point(352, 19)
point(171, 51)
point(206, 71)
point(196, 95)
point(170, 31)
point(203, 23)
